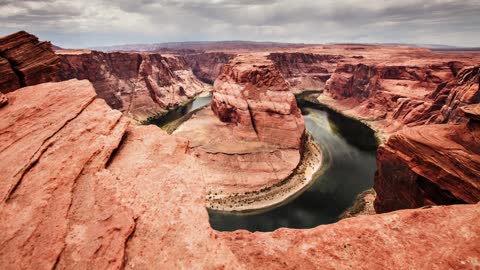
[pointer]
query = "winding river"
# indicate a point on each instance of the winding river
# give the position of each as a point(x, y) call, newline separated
point(350, 164)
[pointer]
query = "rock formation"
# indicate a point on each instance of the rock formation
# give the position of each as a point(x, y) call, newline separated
point(25, 61)
point(141, 85)
point(84, 189)
point(252, 95)
point(305, 71)
point(252, 137)
point(3, 100)
point(430, 165)
point(460, 91)
point(208, 66)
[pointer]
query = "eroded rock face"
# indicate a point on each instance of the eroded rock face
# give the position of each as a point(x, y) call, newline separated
point(251, 138)
point(25, 61)
point(87, 190)
point(458, 92)
point(141, 85)
point(208, 66)
point(305, 71)
point(3, 100)
point(430, 165)
point(252, 94)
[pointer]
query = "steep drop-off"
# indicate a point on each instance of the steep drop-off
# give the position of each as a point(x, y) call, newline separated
point(141, 85)
point(208, 66)
point(304, 70)
point(86, 190)
point(24, 61)
point(430, 165)
point(252, 138)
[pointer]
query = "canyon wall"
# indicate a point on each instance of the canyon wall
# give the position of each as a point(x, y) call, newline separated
point(208, 66)
point(116, 203)
point(141, 85)
point(430, 165)
point(24, 61)
point(305, 71)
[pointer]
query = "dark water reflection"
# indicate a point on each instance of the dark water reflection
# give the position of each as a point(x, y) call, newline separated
point(350, 170)
point(181, 111)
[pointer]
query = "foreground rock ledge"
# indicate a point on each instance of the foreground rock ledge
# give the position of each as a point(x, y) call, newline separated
point(83, 189)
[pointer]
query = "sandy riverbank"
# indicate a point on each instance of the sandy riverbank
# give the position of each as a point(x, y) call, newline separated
point(266, 198)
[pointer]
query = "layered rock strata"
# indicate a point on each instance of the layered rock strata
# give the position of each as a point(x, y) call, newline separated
point(86, 190)
point(430, 165)
point(252, 138)
point(24, 61)
point(304, 70)
point(253, 96)
point(208, 66)
point(141, 85)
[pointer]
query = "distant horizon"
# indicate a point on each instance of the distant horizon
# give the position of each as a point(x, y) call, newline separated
point(101, 23)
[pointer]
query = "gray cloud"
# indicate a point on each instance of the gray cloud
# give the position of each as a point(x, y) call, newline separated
point(100, 22)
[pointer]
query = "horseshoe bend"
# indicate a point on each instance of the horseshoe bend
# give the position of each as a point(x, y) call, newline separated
point(238, 155)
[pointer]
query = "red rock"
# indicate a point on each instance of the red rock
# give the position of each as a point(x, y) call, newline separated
point(430, 165)
point(141, 85)
point(254, 136)
point(3, 100)
point(97, 194)
point(458, 92)
point(26, 61)
point(253, 95)
point(208, 66)
point(303, 70)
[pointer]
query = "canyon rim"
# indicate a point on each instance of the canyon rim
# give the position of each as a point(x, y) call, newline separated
point(237, 154)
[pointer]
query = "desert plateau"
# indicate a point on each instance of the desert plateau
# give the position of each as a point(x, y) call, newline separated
point(120, 152)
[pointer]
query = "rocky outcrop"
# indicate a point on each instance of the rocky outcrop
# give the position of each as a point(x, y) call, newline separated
point(303, 70)
point(253, 95)
point(430, 165)
point(86, 190)
point(25, 61)
point(141, 85)
point(208, 66)
point(397, 87)
point(458, 92)
point(3, 100)
point(252, 137)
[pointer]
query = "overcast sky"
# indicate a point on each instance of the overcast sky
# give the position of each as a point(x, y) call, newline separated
point(76, 24)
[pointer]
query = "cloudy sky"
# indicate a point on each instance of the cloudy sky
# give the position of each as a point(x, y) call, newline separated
point(76, 24)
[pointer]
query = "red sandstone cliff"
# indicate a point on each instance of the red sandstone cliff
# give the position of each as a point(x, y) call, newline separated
point(25, 61)
point(83, 189)
point(304, 70)
point(252, 136)
point(430, 165)
point(141, 85)
point(252, 94)
point(208, 66)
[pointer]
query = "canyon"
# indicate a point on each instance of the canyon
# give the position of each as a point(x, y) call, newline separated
point(85, 185)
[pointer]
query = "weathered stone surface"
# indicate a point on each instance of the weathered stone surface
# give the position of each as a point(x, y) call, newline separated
point(97, 194)
point(458, 92)
point(54, 137)
point(141, 85)
point(3, 100)
point(438, 238)
point(254, 136)
point(304, 70)
point(25, 61)
point(208, 66)
point(430, 165)
point(253, 95)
